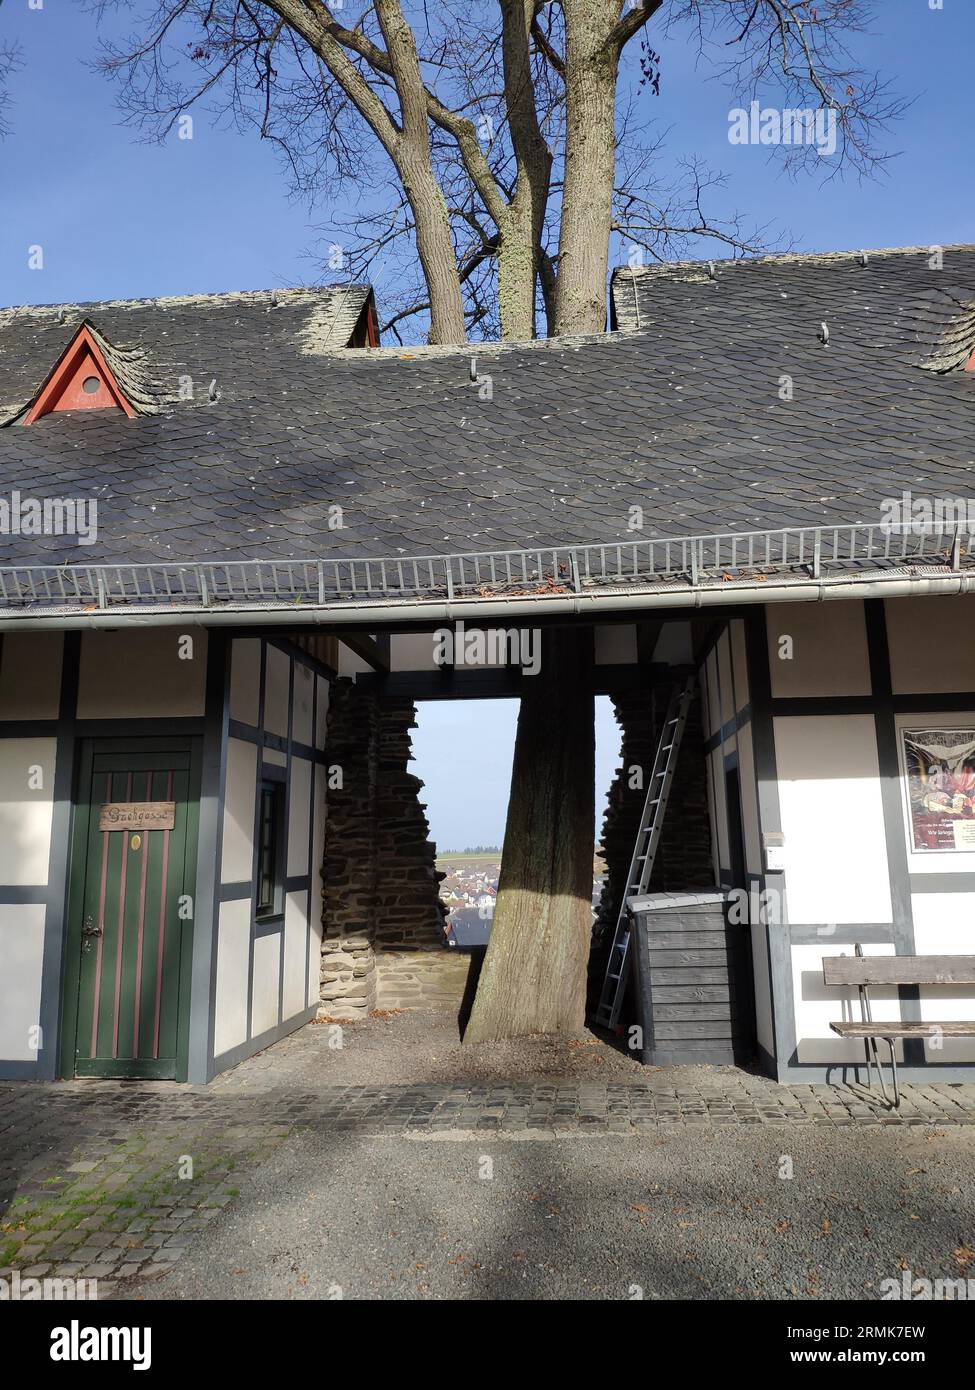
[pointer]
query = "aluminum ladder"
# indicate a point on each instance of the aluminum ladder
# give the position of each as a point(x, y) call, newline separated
point(645, 850)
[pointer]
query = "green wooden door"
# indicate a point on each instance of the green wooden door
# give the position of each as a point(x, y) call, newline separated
point(130, 924)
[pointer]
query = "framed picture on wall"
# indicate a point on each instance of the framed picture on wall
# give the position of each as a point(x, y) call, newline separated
point(940, 766)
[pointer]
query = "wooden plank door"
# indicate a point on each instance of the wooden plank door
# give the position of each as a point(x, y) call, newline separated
point(130, 917)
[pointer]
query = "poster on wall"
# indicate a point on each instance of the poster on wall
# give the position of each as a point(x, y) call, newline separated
point(941, 788)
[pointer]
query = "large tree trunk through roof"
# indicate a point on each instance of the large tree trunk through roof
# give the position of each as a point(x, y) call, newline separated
point(534, 974)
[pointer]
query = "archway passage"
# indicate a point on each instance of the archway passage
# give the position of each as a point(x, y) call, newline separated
point(384, 942)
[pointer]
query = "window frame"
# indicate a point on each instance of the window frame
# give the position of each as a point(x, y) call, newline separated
point(273, 782)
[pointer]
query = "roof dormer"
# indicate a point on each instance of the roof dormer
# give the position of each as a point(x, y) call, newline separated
point(81, 379)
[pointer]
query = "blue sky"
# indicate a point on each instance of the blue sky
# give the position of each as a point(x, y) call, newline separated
point(118, 218)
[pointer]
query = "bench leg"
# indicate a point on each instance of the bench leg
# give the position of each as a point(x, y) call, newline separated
point(866, 1013)
point(893, 1072)
point(874, 1057)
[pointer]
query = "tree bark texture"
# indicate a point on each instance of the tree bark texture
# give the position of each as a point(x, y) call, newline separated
point(591, 63)
point(534, 974)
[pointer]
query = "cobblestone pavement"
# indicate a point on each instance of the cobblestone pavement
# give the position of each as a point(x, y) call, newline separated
point(107, 1180)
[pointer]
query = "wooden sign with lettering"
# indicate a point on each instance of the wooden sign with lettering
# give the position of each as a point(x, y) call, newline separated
point(137, 815)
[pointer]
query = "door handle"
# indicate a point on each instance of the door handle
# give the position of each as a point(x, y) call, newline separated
point(88, 931)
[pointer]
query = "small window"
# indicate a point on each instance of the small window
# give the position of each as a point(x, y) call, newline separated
point(270, 889)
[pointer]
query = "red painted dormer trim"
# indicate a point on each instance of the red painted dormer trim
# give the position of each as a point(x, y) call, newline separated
point(371, 330)
point(64, 390)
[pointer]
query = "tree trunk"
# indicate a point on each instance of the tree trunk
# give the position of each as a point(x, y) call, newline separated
point(591, 64)
point(435, 247)
point(408, 145)
point(411, 154)
point(534, 974)
point(521, 223)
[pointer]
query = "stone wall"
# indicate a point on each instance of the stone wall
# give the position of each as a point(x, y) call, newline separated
point(422, 979)
point(383, 943)
point(409, 914)
point(350, 868)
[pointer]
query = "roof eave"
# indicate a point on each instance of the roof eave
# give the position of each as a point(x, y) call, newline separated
point(406, 612)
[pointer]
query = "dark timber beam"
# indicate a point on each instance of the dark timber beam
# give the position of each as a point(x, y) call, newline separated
point(647, 637)
point(498, 683)
point(375, 651)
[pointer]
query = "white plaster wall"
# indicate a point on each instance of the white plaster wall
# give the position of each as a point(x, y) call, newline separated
point(301, 927)
point(25, 813)
point(299, 825)
point(30, 675)
point(237, 864)
point(245, 680)
point(276, 674)
point(931, 643)
point(749, 801)
point(817, 1005)
point(267, 973)
point(931, 861)
point(349, 663)
point(725, 689)
point(829, 645)
point(303, 702)
point(739, 663)
point(832, 819)
point(233, 959)
point(139, 674)
point(22, 955)
point(412, 651)
point(943, 927)
point(295, 949)
point(615, 644)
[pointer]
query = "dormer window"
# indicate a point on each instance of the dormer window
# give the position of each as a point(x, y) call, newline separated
point(81, 379)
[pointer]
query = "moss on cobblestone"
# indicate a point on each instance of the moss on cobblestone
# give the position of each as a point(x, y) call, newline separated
point(74, 1208)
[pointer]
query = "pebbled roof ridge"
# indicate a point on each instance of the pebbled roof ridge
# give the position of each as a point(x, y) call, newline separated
point(219, 298)
point(665, 269)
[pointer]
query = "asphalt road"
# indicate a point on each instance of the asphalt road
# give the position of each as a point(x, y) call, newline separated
point(695, 1213)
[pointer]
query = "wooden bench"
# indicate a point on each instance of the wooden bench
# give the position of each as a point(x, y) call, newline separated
point(865, 971)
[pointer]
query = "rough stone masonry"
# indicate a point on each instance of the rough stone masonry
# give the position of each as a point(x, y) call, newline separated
point(383, 941)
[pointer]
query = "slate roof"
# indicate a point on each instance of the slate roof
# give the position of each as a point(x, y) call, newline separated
point(161, 349)
point(679, 412)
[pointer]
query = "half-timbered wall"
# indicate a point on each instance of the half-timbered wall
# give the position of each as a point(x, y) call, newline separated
point(833, 687)
point(267, 968)
point(30, 687)
point(56, 689)
point(733, 798)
